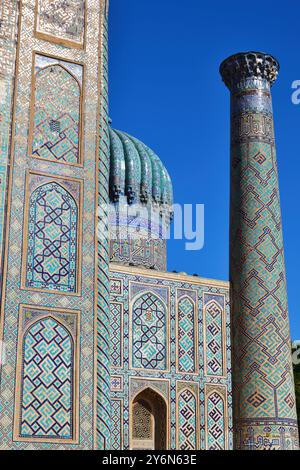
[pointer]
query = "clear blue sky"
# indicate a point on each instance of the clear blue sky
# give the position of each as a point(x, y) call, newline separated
point(165, 89)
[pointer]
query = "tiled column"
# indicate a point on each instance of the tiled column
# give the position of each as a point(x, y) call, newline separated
point(264, 398)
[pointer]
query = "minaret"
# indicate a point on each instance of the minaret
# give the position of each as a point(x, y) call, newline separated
point(264, 397)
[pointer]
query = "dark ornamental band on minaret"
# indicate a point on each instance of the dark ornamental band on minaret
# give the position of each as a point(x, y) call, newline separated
point(249, 65)
point(263, 387)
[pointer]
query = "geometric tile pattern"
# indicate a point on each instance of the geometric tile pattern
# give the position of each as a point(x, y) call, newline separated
point(137, 179)
point(116, 383)
point(52, 239)
point(13, 292)
point(116, 424)
point(213, 335)
point(116, 334)
point(131, 284)
point(116, 286)
point(61, 20)
point(149, 349)
point(103, 309)
point(141, 250)
point(262, 375)
point(187, 411)
point(186, 336)
point(56, 115)
point(216, 421)
point(47, 381)
point(8, 31)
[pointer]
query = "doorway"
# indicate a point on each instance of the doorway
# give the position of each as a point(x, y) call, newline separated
point(149, 421)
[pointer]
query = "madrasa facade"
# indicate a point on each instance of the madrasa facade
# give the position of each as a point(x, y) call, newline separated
point(101, 347)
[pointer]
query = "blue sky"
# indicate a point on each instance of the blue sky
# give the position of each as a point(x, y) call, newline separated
point(166, 90)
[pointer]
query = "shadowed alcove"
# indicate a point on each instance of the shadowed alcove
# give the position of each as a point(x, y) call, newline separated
point(149, 421)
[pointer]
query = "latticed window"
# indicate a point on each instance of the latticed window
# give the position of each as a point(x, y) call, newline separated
point(47, 381)
point(142, 421)
point(52, 239)
point(149, 421)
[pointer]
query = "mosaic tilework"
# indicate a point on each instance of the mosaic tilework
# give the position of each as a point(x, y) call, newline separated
point(186, 336)
point(116, 424)
point(47, 397)
point(215, 422)
point(141, 252)
point(85, 302)
point(116, 334)
point(187, 423)
point(103, 284)
point(116, 286)
point(61, 20)
point(140, 183)
point(149, 333)
point(116, 383)
point(262, 375)
point(56, 111)
point(170, 288)
point(213, 319)
point(8, 31)
point(137, 172)
point(136, 235)
point(52, 239)
point(269, 435)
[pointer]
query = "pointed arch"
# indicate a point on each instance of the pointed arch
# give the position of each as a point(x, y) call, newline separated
point(149, 342)
point(56, 115)
point(47, 378)
point(51, 259)
point(149, 416)
point(186, 335)
point(187, 417)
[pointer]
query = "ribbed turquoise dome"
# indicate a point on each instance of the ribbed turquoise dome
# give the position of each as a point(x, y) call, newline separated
point(137, 172)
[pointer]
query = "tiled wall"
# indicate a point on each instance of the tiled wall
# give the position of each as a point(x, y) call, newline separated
point(171, 333)
point(49, 288)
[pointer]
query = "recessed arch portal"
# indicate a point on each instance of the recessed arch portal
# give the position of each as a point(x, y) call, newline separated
point(149, 421)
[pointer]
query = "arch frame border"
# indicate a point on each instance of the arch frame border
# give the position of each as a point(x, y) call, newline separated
point(121, 402)
point(158, 392)
point(115, 302)
point(47, 312)
point(79, 203)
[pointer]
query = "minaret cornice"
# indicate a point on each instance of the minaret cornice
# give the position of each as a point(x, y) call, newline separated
point(245, 66)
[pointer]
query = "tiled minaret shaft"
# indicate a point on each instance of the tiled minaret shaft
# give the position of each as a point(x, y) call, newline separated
point(264, 398)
